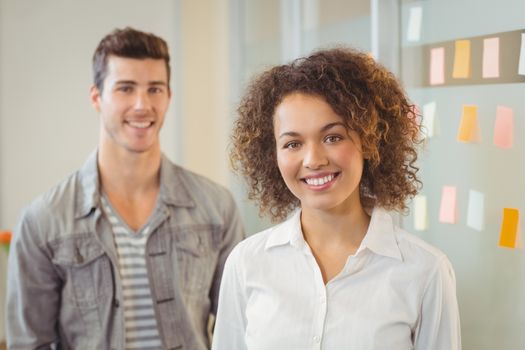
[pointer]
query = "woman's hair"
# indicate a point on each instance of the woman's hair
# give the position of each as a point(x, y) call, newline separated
point(368, 98)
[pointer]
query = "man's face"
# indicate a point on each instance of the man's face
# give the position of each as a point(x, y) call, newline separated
point(133, 104)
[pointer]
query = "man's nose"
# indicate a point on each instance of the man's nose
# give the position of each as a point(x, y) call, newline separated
point(142, 101)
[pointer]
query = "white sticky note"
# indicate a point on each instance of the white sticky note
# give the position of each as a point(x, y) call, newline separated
point(437, 66)
point(476, 210)
point(448, 209)
point(415, 17)
point(428, 123)
point(420, 213)
point(490, 58)
point(521, 69)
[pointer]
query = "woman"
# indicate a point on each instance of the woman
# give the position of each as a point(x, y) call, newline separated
point(331, 139)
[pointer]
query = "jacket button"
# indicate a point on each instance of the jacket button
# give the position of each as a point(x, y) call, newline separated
point(116, 303)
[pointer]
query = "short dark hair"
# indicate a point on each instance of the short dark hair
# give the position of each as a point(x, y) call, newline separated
point(129, 43)
point(371, 102)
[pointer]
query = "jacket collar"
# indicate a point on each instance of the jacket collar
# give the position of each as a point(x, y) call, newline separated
point(380, 237)
point(173, 190)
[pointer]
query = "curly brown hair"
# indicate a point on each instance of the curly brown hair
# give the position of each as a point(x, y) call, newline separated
point(369, 99)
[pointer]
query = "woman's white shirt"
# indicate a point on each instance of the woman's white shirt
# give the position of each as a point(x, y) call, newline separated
point(396, 292)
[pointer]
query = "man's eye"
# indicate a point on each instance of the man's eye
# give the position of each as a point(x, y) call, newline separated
point(155, 90)
point(125, 88)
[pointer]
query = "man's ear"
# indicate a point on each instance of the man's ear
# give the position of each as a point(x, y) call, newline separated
point(95, 95)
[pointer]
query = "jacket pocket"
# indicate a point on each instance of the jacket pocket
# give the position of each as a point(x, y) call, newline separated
point(86, 269)
point(197, 252)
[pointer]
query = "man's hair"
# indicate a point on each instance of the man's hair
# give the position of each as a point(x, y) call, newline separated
point(364, 94)
point(128, 43)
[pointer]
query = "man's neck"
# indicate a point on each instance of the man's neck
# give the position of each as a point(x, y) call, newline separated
point(127, 174)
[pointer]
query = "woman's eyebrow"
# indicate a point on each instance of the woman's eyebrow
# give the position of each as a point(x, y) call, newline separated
point(323, 129)
point(332, 125)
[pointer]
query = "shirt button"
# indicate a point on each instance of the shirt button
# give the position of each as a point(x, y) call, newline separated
point(317, 339)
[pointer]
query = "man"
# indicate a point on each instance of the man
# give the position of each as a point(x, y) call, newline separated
point(128, 252)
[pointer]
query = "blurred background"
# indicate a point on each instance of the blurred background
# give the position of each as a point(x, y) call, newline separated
point(48, 126)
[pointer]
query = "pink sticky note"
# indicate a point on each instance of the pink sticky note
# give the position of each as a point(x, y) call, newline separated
point(491, 58)
point(447, 209)
point(503, 128)
point(437, 66)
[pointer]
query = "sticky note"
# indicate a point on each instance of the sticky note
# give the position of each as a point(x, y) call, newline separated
point(490, 58)
point(420, 213)
point(448, 207)
point(415, 16)
point(509, 228)
point(437, 66)
point(503, 128)
point(428, 122)
point(461, 59)
point(476, 210)
point(521, 67)
point(469, 130)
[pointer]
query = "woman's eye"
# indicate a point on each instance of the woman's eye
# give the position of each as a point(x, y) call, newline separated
point(333, 138)
point(291, 145)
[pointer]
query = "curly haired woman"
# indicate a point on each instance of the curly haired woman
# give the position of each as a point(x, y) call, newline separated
point(329, 142)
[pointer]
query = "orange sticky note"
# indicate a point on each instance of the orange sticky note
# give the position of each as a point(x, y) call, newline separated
point(491, 58)
point(448, 207)
point(509, 228)
point(461, 59)
point(437, 66)
point(469, 130)
point(503, 128)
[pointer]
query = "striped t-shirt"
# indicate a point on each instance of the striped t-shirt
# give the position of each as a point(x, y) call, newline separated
point(141, 330)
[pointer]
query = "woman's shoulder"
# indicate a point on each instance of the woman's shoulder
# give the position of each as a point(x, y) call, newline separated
point(257, 245)
point(417, 251)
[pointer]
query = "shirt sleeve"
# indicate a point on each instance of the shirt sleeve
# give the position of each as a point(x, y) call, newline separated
point(32, 292)
point(230, 327)
point(439, 325)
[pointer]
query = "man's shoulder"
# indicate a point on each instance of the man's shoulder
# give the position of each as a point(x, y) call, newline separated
point(197, 185)
point(59, 196)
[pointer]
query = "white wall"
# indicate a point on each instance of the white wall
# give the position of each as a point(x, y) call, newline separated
point(47, 125)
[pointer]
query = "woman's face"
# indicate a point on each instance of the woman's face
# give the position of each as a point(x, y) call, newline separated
point(320, 161)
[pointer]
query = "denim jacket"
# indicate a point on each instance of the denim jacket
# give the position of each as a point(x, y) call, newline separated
point(64, 289)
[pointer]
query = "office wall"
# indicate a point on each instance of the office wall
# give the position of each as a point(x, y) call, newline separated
point(490, 281)
point(47, 125)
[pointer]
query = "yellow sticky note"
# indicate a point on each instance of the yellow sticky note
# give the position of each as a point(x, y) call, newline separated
point(491, 58)
point(420, 213)
point(509, 228)
point(437, 66)
point(461, 59)
point(448, 208)
point(469, 130)
point(503, 128)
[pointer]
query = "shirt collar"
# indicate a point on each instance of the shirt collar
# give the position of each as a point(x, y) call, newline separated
point(287, 232)
point(380, 237)
point(173, 190)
